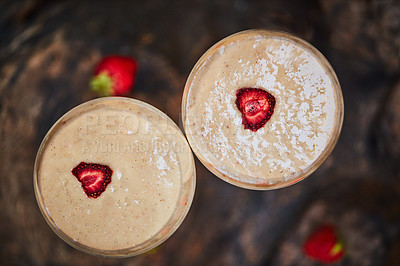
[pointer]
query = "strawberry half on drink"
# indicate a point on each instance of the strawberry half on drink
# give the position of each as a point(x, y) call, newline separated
point(256, 106)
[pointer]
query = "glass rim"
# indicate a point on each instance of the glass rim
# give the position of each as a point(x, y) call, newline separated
point(333, 138)
point(145, 245)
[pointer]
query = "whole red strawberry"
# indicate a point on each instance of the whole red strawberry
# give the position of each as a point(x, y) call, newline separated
point(114, 75)
point(323, 245)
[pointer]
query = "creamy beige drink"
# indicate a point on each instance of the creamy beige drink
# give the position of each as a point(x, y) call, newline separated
point(262, 109)
point(115, 177)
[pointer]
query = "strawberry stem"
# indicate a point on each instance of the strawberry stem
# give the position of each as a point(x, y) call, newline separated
point(102, 84)
point(336, 248)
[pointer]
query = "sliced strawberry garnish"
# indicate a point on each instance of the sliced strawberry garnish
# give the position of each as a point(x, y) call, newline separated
point(256, 106)
point(94, 177)
point(323, 245)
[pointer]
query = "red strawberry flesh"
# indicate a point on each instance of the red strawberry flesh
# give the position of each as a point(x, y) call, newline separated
point(93, 177)
point(323, 245)
point(256, 105)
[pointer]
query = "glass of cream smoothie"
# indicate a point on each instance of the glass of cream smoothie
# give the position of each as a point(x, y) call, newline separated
point(262, 109)
point(114, 177)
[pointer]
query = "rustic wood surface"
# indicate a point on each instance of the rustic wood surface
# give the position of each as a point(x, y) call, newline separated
point(47, 53)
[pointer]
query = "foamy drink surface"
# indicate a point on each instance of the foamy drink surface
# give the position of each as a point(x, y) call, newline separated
point(247, 70)
point(152, 175)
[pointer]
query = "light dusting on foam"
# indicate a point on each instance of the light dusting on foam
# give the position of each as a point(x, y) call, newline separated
point(221, 50)
point(164, 169)
point(298, 130)
point(162, 165)
point(164, 160)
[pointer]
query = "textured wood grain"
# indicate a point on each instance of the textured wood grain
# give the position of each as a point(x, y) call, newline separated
point(48, 51)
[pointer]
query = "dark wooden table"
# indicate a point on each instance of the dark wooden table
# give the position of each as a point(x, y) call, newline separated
point(47, 53)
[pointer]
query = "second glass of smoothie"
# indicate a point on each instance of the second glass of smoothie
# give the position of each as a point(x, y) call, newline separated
point(262, 109)
point(114, 177)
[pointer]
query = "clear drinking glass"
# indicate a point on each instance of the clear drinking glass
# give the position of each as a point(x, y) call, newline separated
point(152, 184)
point(306, 120)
